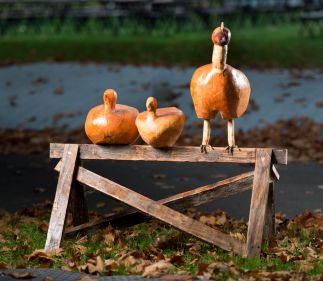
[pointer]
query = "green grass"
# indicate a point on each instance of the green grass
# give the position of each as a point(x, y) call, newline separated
point(20, 236)
point(255, 46)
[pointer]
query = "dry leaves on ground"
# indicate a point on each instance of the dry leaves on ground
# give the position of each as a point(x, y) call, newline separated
point(156, 250)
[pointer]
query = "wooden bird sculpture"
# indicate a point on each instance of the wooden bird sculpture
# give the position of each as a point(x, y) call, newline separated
point(111, 123)
point(218, 87)
point(160, 127)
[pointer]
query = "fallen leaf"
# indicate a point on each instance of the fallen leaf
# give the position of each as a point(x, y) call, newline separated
point(109, 238)
point(130, 260)
point(3, 265)
point(239, 236)
point(100, 264)
point(43, 227)
point(5, 249)
point(178, 277)
point(177, 260)
point(210, 220)
point(44, 255)
point(157, 269)
point(202, 267)
point(139, 268)
point(80, 249)
point(111, 264)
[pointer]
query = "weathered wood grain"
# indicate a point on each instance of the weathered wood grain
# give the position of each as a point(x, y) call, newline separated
point(259, 200)
point(57, 219)
point(159, 211)
point(191, 198)
point(175, 154)
point(270, 228)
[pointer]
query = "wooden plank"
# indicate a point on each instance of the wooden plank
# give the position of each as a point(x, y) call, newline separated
point(78, 205)
point(191, 198)
point(175, 154)
point(259, 200)
point(270, 228)
point(57, 219)
point(159, 211)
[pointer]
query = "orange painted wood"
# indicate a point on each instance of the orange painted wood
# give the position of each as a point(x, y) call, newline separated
point(259, 201)
point(160, 127)
point(57, 218)
point(111, 123)
point(174, 154)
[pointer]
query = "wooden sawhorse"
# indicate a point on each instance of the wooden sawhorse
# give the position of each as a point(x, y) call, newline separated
point(261, 216)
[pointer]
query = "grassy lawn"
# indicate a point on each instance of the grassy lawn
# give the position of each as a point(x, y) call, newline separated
point(153, 249)
point(254, 46)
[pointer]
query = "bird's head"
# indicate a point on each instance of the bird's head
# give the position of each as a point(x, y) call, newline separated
point(221, 35)
point(151, 104)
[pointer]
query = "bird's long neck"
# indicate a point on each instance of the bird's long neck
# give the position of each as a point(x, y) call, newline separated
point(151, 115)
point(219, 58)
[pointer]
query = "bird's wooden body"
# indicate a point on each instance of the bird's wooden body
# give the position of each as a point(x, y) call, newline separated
point(111, 123)
point(212, 91)
point(160, 127)
point(219, 87)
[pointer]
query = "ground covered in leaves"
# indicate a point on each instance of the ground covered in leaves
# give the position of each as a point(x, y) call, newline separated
point(153, 249)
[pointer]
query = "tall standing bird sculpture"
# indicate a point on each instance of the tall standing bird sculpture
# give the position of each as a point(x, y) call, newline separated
point(218, 87)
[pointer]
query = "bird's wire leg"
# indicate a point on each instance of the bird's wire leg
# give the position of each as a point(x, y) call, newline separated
point(206, 136)
point(231, 141)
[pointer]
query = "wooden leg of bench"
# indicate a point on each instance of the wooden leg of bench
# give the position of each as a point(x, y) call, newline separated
point(78, 204)
point(259, 200)
point(269, 229)
point(57, 219)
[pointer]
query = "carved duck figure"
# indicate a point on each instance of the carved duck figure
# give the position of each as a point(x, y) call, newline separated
point(160, 127)
point(111, 123)
point(218, 87)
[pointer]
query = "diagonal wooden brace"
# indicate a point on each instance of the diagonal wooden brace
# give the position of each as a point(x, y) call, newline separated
point(181, 201)
point(159, 211)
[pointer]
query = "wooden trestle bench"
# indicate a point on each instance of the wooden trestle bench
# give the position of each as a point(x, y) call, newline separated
point(261, 181)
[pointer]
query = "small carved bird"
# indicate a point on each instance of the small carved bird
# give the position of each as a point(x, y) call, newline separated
point(218, 87)
point(111, 123)
point(160, 127)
